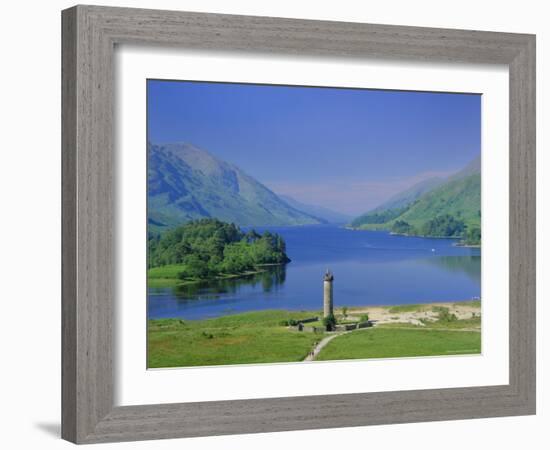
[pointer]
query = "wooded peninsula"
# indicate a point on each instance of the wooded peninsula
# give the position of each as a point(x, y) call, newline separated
point(209, 248)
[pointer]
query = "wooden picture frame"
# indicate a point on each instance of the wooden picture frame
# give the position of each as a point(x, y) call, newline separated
point(90, 34)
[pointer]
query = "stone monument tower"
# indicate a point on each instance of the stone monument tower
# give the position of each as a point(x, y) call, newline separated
point(328, 309)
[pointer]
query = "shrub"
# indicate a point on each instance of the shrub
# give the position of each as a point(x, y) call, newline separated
point(364, 318)
point(473, 236)
point(444, 225)
point(401, 227)
point(329, 322)
point(445, 315)
point(208, 247)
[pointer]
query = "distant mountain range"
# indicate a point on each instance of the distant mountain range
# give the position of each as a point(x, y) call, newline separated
point(409, 195)
point(456, 198)
point(323, 214)
point(186, 183)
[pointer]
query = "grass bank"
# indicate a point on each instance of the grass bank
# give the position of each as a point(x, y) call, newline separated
point(394, 342)
point(254, 337)
point(169, 275)
point(262, 336)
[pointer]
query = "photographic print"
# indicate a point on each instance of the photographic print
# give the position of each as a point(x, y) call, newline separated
point(295, 224)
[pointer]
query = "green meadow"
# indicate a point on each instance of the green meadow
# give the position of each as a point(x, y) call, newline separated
point(248, 338)
point(169, 276)
point(264, 337)
point(394, 342)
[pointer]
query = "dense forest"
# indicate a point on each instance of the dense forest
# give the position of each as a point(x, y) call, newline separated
point(207, 248)
point(445, 225)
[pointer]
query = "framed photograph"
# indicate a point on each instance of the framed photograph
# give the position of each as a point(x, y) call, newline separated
point(268, 222)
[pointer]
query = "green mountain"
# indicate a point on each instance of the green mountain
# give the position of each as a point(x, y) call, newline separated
point(473, 168)
point(409, 195)
point(324, 214)
point(186, 183)
point(451, 208)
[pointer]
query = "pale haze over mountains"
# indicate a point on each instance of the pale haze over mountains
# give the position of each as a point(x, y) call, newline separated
point(186, 183)
point(458, 195)
point(348, 150)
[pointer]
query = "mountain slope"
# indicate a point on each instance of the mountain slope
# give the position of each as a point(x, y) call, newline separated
point(186, 183)
point(460, 198)
point(409, 195)
point(451, 208)
point(397, 204)
point(324, 214)
point(473, 168)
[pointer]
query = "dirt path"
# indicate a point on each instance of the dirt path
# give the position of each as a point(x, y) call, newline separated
point(322, 343)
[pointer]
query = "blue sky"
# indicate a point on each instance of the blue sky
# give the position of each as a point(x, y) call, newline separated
point(345, 149)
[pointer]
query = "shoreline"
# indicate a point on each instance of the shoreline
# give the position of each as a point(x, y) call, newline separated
point(401, 311)
point(458, 244)
point(425, 303)
point(267, 336)
point(393, 233)
point(167, 282)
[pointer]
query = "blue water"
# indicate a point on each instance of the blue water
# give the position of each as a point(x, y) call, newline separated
point(370, 268)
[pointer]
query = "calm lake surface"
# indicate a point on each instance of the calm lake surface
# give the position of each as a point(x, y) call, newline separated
point(370, 268)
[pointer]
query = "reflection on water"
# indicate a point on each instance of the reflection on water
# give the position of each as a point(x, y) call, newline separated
point(470, 265)
point(371, 268)
point(267, 281)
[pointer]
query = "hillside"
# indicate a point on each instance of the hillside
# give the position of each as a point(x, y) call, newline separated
point(187, 183)
point(450, 209)
point(409, 195)
point(458, 198)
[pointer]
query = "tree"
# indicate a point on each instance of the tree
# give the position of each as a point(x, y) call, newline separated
point(345, 311)
point(443, 226)
point(252, 236)
point(473, 236)
point(210, 247)
point(329, 322)
point(401, 227)
point(195, 267)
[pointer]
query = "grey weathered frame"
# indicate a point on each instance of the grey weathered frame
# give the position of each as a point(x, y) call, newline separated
point(89, 36)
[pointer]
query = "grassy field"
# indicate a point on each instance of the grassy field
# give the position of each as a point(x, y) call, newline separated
point(263, 337)
point(164, 276)
point(393, 342)
point(255, 337)
point(169, 275)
